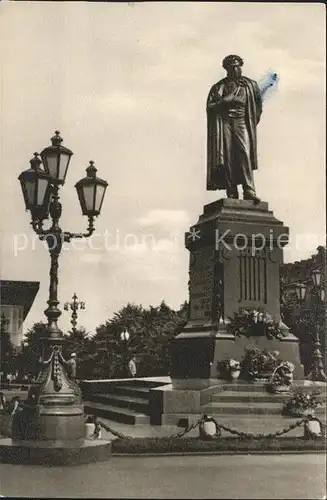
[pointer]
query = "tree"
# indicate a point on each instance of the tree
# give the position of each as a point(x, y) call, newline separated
point(28, 358)
point(77, 341)
point(151, 331)
point(105, 355)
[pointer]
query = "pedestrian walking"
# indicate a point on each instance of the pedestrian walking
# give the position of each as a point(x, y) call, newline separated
point(72, 365)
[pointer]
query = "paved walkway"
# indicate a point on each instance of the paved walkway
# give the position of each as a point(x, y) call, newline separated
point(224, 477)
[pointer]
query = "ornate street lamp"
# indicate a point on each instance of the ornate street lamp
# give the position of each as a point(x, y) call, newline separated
point(74, 305)
point(301, 291)
point(55, 402)
point(91, 191)
point(124, 337)
point(36, 189)
point(56, 160)
point(316, 278)
point(317, 370)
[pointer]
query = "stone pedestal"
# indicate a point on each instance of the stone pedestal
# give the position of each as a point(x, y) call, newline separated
point(236, 249)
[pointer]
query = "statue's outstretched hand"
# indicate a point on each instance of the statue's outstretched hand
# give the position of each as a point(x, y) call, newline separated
point(229, 97)
point(214, 104)
point(214, 101)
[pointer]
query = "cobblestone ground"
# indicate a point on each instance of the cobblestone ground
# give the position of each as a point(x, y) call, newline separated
point(225, 477)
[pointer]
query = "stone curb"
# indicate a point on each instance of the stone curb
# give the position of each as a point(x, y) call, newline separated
point(217, 453)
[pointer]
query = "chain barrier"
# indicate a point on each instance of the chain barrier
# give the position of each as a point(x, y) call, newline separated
point(219, 428)
point(263, 436)
point(186, 430)
point(99, 424)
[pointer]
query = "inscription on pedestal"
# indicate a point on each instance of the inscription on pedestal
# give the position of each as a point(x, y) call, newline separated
point(252, 276)
point(201, 283)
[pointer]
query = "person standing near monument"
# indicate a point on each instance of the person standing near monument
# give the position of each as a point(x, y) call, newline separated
point(72, 365)
point(132, 366)
point(234, 107)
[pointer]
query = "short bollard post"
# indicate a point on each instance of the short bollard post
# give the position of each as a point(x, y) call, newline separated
point(97, 429)
point(313, 429)
point(208, 428)
point(89, 428)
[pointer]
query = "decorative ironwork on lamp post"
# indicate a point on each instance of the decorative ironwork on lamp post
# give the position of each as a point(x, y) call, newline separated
point(74, 305)
point(56, 399)
point(317, 372)
point(124, 337)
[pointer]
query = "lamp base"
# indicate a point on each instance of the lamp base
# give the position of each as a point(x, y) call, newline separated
point(47, 453)
point(317, 375)
point(46, 424)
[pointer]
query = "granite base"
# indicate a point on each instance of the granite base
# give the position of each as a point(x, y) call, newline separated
point(49, 453)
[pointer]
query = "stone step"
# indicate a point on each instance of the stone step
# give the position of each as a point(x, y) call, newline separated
point(243, 396)
point(244, 386)
point(216, 408)
point(123, 415)
point(249, 408)
point(130, 390)
point(144, 383)
point(137, 404)
point(241, 386)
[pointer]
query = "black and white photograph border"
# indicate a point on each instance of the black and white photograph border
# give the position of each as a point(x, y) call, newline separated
point(163, 323)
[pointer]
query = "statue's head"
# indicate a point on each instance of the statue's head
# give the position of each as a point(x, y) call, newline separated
point(233, 65)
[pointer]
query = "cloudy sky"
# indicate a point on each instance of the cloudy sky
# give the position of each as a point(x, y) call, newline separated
point(126, 85)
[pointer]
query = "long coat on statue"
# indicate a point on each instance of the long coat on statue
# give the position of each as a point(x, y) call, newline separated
point(216, 178)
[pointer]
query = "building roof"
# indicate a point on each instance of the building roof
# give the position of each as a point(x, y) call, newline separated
point(19, 293)
point(301, 270)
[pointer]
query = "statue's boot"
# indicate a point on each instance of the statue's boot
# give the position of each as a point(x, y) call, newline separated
point(250, 195)
point(232, 193)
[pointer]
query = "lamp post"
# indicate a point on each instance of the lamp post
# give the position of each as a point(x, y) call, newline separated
point(317, 373)
point(124, 337)
point(55, 399)
point(74, 305)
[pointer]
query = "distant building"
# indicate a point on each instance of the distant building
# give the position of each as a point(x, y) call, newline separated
point(293, 311)
point(16, 299)
point(300, 270)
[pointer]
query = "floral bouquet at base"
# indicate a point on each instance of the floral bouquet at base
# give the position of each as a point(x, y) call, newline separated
point(302, 403)
point(255, 322)
point(259, 363)
point(282, 377)
point(229, 369)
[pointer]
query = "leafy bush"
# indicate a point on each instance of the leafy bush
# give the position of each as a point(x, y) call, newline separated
point(302, 400)
point(221, 445)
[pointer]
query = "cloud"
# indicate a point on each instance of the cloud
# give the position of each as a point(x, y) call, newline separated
point(166, 218)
